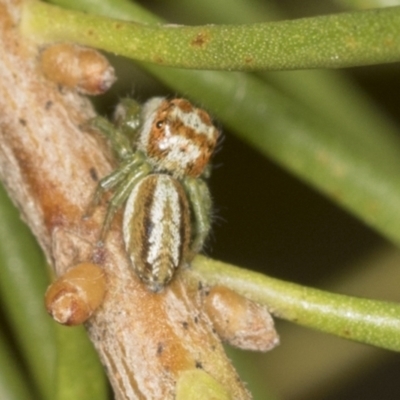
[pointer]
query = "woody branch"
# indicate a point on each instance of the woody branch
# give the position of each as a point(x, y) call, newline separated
point(50, 166)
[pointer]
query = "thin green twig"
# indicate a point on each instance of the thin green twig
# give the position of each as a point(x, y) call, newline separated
point(367, 321)
point(334, 41)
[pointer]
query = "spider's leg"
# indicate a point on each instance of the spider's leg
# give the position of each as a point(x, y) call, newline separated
point(119, 142)
point(112, 180)
point(200, 205)
point(124, 189)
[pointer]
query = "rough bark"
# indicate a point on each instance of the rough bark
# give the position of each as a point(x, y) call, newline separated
point(50, 166)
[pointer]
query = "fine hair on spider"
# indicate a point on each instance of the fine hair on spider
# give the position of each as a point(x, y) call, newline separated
point(163, 148)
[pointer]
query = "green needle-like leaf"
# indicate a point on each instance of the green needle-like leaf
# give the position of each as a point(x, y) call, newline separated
point(363, 320)
point(342, 40)
point(79, 372)
point(14, 384)
point(24, 279)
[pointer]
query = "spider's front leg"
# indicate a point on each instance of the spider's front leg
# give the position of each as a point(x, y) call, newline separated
point(122, 192)
point(132, 163)
point(200, 206)
point(114, 179)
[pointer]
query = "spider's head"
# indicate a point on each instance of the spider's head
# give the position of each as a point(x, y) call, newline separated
point(177, 137)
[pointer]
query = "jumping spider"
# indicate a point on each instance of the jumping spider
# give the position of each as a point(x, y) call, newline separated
point(163, 148)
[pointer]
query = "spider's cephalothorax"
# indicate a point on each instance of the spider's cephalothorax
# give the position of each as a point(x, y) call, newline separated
point(164, 149)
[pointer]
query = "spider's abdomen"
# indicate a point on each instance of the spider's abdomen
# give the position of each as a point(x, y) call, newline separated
point(177, 137)
point(156, 229)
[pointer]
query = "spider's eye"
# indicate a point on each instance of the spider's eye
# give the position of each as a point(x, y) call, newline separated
point(159, 124)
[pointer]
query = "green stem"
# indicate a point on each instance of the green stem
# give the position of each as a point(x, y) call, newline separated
point(342, 40)
point(367, 321)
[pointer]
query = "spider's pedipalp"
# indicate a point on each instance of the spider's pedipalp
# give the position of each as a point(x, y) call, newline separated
point(119, 142)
